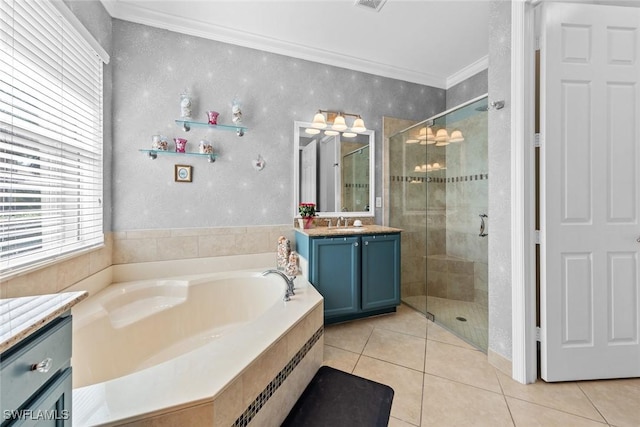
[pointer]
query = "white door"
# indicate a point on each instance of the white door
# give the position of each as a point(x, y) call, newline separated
point(590, 191)
point(308, 173)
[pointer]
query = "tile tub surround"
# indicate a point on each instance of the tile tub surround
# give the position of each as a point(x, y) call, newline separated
point(195, 390)
point(137, 246)
point(21, 317)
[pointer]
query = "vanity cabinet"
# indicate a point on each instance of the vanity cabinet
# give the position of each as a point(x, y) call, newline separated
point(35, 394)
point(358, 275)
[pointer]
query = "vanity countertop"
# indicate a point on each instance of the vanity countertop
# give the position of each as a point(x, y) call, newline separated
point(21, 317)
point(347, 231)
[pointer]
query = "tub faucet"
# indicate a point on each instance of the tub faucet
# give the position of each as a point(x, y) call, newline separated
point(288, 280)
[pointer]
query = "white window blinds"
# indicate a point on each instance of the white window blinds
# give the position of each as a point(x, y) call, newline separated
point(50, 137)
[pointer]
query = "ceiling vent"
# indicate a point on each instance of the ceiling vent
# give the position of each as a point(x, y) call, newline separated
point(373, 5)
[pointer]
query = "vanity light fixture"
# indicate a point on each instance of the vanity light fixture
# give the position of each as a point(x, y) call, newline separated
point(312, 131)
point(318, 121)
point(338, 123)
point(349, 134)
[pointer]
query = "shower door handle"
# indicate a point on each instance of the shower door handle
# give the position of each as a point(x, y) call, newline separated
point(482, 217)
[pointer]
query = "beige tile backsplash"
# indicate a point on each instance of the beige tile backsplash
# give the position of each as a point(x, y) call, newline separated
point(134, 246)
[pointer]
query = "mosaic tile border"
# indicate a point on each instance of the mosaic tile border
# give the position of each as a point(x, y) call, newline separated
point(251, 411)
point(452, 179)
point(353, 185)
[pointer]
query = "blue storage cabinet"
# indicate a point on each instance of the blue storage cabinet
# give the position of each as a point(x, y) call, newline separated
point(380, 271)
point(335, 270)
point(358, 276)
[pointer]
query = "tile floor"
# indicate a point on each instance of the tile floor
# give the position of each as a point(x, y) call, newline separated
point(475, 329)
point(440, 380)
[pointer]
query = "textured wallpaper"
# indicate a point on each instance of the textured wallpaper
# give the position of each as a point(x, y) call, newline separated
point(500, 339)
point(468, 89)
point(152, 67)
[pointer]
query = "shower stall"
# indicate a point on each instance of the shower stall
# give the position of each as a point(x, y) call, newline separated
point(439, 196)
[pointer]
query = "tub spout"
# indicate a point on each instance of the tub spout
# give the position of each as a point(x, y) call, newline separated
point(288, 280)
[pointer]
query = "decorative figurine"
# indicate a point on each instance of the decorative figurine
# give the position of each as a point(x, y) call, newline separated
point(236, 109)
point(185, 104)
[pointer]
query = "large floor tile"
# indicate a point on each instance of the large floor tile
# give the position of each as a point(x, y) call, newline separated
point(461, 364)
point(351, 336)
point(406, 384)
point(565, 397)
point(401, 349)
point(438, 333)
point(449, 403)
point(395, 422)
point(526, 414)
point(617, 400)
point(405, 320)
point(340, 359)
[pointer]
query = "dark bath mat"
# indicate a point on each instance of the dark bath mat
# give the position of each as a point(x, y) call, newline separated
point(335, 398)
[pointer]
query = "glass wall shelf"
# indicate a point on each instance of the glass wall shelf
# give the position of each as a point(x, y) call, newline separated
point(153, 154)
point(188, 124)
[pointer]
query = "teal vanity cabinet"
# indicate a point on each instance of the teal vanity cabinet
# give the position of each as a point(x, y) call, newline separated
point(35, 360)
point(358, 275)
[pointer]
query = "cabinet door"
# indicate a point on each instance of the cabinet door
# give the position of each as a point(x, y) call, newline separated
point(51, 407)
point(335, 272)
point(380, 271)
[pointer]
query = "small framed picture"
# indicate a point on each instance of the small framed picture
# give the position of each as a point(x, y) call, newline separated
point(183, 173)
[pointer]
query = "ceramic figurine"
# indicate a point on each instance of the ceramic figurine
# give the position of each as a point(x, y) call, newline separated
point(185, 105)
point(284, 249)
point(236, 110)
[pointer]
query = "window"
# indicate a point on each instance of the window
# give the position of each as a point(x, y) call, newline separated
point(50, 136)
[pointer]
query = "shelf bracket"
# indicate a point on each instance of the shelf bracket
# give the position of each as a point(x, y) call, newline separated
point(153, 155)
point(240, 132)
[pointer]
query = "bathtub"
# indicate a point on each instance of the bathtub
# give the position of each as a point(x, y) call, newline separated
point(199, 349)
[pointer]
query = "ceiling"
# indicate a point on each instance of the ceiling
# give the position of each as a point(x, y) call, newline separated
point(436, 43)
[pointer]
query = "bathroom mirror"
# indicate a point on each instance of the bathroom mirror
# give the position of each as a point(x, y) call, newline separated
point(334, 172)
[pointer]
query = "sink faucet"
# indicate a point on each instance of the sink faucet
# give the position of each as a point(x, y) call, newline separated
point(288, 280)
point(328, 222)
point(344, 220)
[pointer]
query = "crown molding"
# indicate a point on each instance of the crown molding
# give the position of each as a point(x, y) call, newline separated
point(140, 15)
point(468, 71)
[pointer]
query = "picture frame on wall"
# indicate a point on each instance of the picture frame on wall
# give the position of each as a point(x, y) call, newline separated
point(183, 173)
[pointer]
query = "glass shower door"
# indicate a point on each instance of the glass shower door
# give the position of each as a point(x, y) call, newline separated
point(439, 196)
point(457, 288)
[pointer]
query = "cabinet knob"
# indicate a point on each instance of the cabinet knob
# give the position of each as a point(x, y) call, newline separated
point(43, 366)
point(355, 244)
point(366, 243)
